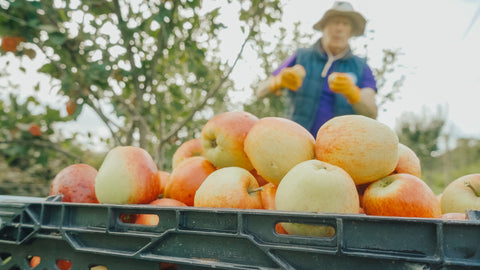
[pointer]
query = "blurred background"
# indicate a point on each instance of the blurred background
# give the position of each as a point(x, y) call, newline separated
point(78, 78)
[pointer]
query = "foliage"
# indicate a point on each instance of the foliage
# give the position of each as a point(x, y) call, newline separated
point(422, 132)
point(149, 69)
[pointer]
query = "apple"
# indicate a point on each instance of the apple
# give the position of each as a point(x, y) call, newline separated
point(230, 187)
point(458, 216)
point(190, 148)
point(360, 190)
point(71, 106)
point(268, 193)
point(316, 186)
point(408, 161)
point(364, 147)
point(151, 219)
point(275, 145)
point(61, 264)
point(35, 130)
point(10, 44)
point(462, 194)
point(128, 175)
point(223, 139)
point(401, 195)
point(187, 178)
point(261, 181)
point(163, 176)
point(76, 183)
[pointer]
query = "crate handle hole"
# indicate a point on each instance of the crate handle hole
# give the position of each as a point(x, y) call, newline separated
point(97, 267)
point(5, 257)
point(33, 261)
point(303, 229)
point(147, 219)
point(128, 218)
point(64, 264)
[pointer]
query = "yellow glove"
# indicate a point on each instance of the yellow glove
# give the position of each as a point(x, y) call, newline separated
point(343, 84)
point(290, 77)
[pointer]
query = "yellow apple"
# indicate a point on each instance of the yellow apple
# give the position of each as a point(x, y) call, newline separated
point(274, 145)
point(366, 148)
point(462, 194)
point(316, 186)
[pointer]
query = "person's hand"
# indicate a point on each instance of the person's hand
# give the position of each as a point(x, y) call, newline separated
point(343, 84)
point(290, 77)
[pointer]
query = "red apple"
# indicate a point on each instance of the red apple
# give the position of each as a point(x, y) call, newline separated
point(462, 194)
point(190, 148)
point(10, 44)
point(230, 187)
point(152, 220)
point(223, 139)
point(275, 145)
point(187, 178)
point(163, 177)
point(408, 161)
point(366, 148)
point(316, 186)
point(76, 183)
point(401, 195)
point(35, 130)
point(128, 175)
point(268, 193)
point(261, 181)
point(61, 264)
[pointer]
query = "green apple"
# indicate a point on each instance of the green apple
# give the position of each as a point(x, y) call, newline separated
point(316, 186)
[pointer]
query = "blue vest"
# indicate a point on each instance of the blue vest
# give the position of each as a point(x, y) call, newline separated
point(303, 104)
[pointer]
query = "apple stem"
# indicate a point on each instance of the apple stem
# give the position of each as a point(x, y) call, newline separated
point(475, 186)
point(255, 190)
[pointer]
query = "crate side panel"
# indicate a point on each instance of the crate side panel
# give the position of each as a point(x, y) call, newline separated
point(210, 221)
point(392, 237)
point(212, 247)
point(462, 242)
point(304, 260)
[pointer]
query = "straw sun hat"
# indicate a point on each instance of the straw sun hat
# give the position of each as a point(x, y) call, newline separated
point(341, 8)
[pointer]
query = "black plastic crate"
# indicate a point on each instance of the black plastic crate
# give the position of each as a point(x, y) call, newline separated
point(205, 238)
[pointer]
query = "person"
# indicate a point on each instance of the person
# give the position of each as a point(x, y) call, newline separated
point(327, 79)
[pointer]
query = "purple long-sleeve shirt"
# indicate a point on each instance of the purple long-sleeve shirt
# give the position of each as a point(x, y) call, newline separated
point(325, 110)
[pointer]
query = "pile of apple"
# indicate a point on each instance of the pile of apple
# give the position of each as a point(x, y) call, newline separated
point(355, 165)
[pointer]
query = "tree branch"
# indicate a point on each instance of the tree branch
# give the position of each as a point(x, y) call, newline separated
point(210, 94)
point(143, 127)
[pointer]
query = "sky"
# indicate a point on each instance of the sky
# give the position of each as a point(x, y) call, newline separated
point(440, 59)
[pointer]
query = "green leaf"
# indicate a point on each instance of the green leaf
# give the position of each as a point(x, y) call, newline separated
point(56, 38)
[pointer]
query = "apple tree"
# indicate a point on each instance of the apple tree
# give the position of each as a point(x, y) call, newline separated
point(150, 70)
